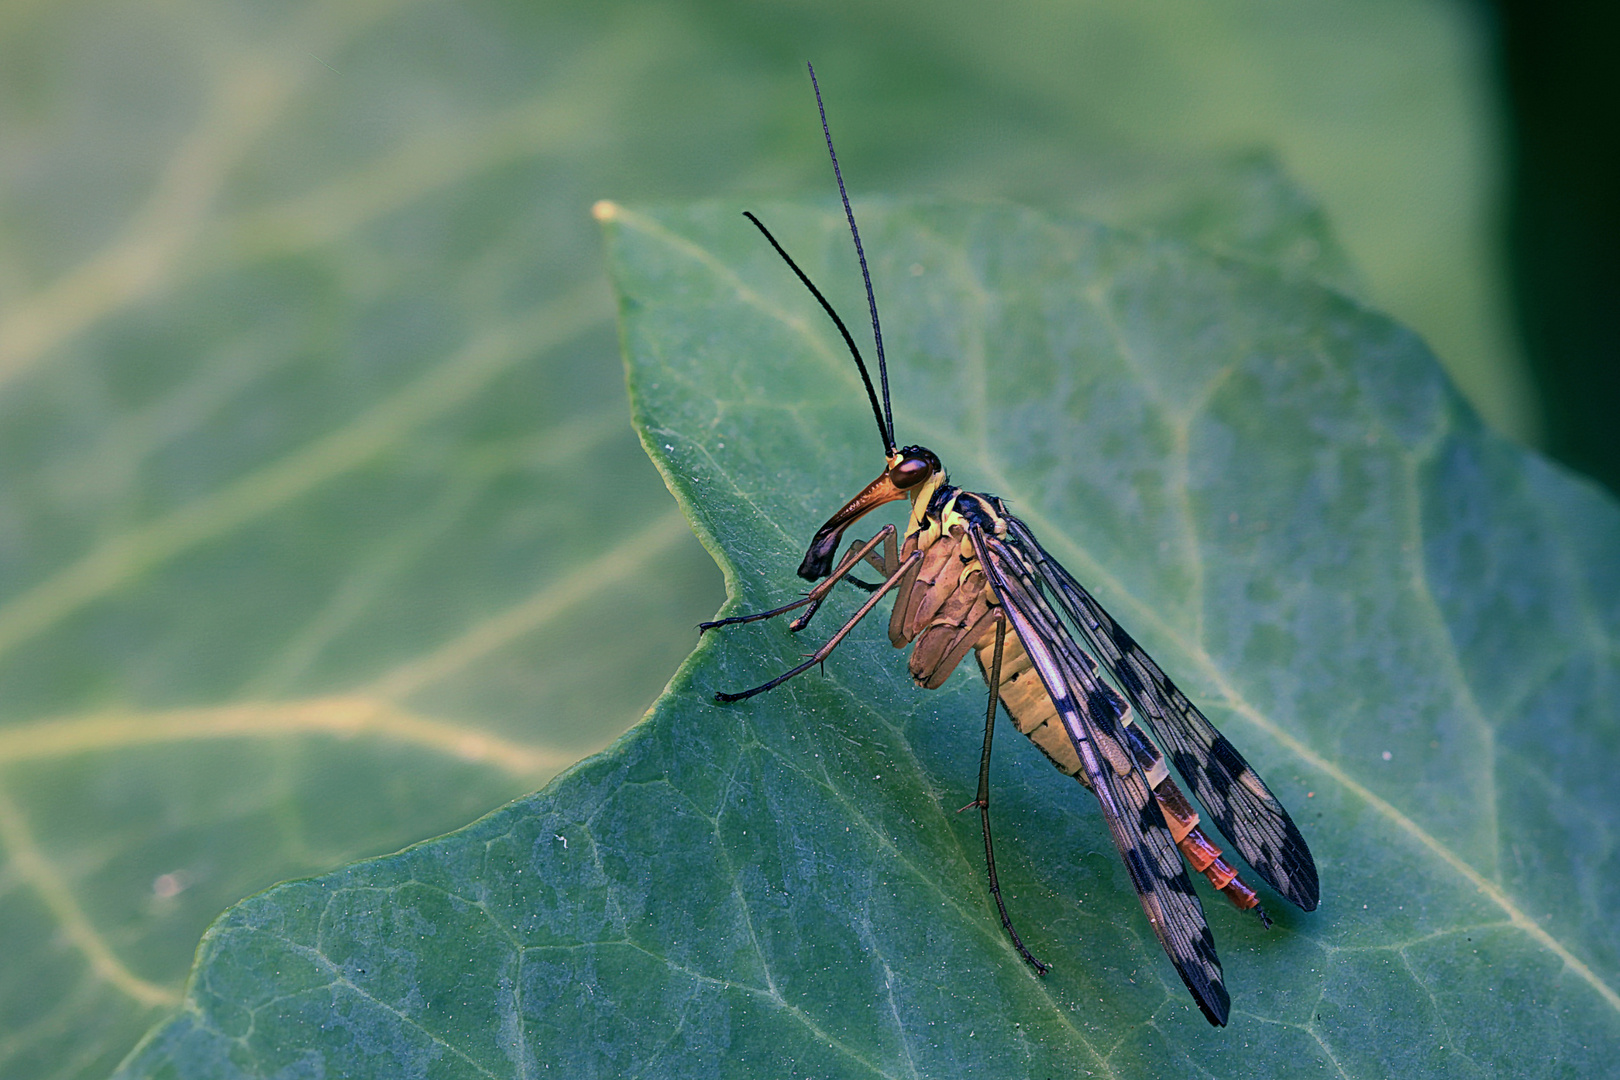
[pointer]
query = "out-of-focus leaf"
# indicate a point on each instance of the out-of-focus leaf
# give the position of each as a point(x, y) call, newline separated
point(1406, 624)
point(1244, 206)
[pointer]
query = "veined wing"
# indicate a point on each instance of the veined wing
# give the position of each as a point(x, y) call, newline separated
point(1238, 801)
point(1091, 713)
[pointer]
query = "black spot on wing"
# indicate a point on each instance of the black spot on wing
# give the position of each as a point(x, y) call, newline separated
point(1151, 816)
point(1225, 755)
point(1141, 748)
point(1191, 765)
point(1206, 946)
point(1250, 817)
point(1106, 706)
point(1142, 876)
point(1269, 841)
point(1181, 883)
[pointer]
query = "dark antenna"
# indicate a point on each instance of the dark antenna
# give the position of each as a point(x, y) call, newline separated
point(871, 394)
point(871, 300)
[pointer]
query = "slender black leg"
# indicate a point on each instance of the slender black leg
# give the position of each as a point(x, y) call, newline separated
point(852, 558)
point(983, 802)
point(832, 643)
point(737, 620)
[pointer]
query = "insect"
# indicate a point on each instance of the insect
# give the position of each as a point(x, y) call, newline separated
point(968, 576)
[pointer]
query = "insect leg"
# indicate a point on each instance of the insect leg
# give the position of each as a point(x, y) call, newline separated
point(983, 803)
point(833, 642)
point(736, 620)
point(884, 566)
point(857, 552)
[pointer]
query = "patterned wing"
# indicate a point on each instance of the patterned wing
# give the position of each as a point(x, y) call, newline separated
point(1091, 712)
point(1238, 801)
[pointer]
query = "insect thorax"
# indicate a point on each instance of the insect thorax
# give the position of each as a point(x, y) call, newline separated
point(944, 606)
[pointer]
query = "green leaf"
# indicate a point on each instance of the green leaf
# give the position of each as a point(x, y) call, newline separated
point(321, 527)
point(1406, 624)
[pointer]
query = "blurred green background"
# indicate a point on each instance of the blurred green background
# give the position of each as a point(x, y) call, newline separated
point(322, 526)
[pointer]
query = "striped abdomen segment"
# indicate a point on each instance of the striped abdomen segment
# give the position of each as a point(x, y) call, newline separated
point(1030, 706)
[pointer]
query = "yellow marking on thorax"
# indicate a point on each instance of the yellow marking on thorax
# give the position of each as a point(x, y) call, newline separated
point(921, 496)
point(940, 526)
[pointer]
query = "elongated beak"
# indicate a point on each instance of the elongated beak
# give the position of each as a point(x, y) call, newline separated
point(818, 561)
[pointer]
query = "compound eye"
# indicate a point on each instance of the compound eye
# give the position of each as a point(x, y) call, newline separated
point(913, 469)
